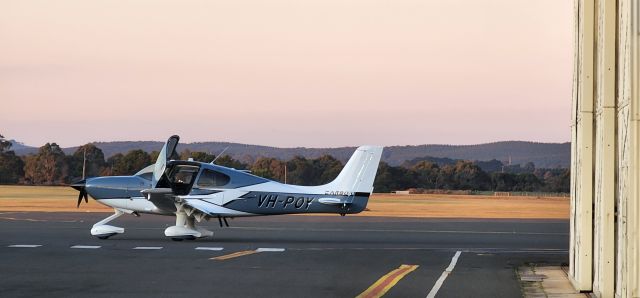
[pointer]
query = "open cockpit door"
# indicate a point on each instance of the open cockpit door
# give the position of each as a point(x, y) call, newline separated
point(181, 176)
point(167, 151)
point(177, 180)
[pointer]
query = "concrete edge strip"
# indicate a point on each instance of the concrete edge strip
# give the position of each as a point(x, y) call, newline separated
point(400, 231)
point(447, 271)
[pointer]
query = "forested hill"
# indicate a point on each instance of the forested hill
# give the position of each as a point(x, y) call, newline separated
point(543, 155)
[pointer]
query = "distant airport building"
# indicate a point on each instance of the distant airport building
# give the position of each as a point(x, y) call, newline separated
point(605, 204)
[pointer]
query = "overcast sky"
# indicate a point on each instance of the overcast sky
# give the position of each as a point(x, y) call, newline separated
point(319, 73)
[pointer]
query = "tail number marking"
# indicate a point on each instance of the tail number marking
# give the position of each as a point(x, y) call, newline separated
point(339, 193)
point(271, 201)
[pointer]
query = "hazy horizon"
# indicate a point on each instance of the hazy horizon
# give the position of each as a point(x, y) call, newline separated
point(284, 73)
point(256, 144)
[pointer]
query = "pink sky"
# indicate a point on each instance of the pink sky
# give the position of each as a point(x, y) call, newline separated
point(318, 73)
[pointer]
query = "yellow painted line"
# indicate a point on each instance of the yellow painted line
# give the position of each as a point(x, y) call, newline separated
point(235, 255)
point(385, 283)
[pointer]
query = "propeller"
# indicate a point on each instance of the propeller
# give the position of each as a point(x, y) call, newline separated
point(81, 186)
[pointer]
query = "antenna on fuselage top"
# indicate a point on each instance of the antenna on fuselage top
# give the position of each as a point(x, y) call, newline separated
point(217, 156)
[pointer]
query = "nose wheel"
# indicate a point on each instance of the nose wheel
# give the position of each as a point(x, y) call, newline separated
point(103, 231)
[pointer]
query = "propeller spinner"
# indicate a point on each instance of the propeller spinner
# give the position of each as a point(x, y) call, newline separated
point(81, 186)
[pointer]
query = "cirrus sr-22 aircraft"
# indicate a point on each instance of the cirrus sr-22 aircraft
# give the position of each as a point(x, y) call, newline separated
point(195, 191)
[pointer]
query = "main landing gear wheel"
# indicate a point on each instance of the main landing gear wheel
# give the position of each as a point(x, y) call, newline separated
point(185, 228)
point(104, 237)
point(186, 237)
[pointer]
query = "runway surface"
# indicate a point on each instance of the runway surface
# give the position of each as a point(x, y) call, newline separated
point(53, 255)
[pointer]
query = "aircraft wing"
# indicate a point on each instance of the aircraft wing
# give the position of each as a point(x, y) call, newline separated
point(211, 209)
point(163, 198)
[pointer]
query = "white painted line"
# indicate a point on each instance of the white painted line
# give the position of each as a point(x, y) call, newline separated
point(86, 246)
point(444, 275)
point(148, 247)
point(25, 245)
point(269, 249)
point(209, 248)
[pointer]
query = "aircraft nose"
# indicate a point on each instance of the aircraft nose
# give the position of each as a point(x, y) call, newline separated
point(81, 187)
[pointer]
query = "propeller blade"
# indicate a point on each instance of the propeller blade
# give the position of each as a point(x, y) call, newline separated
point(81, 187)
point(225, 221)
point(220, 221)
point(79, 199)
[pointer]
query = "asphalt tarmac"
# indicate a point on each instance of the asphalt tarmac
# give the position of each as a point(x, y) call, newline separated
point(53, 255)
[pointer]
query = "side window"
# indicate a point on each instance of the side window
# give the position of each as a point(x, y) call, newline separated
point(209, 178)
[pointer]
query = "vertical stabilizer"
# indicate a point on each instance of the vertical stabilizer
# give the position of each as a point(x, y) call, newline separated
point(359, 172)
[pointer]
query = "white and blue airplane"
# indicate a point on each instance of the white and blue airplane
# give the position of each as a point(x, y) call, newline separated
point(195, 191)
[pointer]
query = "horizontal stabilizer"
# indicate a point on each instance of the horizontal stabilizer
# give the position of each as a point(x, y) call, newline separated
point(336, 201)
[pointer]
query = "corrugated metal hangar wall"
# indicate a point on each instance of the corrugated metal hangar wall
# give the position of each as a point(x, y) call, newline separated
point(605, 214)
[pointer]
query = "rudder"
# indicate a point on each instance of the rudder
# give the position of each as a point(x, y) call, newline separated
point(360, 171)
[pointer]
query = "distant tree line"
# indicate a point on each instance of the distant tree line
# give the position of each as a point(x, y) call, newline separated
point(50, 166)
point(467, 175)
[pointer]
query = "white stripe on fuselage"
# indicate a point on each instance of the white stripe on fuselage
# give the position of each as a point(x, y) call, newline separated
point(212, 208)
point(214, 202)
point(277, 187)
